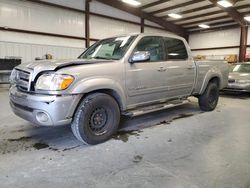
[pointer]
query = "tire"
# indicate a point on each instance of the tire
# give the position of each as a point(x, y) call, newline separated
point(209, 99)
point(96, 119)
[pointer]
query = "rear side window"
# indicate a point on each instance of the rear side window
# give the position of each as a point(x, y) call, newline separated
point(175, 49)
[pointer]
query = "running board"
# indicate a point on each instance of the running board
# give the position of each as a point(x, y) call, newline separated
point(153, 108)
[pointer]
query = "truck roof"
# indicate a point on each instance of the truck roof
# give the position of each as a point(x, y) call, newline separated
point(150, 34)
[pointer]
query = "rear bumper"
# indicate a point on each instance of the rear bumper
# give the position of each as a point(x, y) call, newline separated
point(44, 110)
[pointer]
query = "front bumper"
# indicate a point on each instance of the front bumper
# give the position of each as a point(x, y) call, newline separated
point(238, 87)
point(44, 110)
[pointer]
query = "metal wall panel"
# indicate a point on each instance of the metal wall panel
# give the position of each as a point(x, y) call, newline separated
point(151, 23)
point(223, 38)
point(100, 8)
point(248, 53)
point(35, 17)
point(216, 53)
point(28, 52)
point(101, 27)
point(77, 4)
point(30, 46)
point(8, 36)
point(92, 42)
point(154, 30)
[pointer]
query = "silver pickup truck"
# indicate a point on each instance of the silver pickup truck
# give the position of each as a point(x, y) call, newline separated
point(126, 75)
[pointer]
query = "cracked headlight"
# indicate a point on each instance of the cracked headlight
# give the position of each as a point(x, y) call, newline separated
point(54, 82)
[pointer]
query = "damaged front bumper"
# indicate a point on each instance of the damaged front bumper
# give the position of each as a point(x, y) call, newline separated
point(44, 110)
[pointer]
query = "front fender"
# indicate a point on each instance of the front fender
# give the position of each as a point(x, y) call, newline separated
point(94, 84)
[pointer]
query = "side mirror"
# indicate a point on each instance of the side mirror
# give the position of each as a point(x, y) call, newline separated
point(140, 56)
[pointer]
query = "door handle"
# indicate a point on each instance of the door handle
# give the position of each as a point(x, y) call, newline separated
point(161, 69)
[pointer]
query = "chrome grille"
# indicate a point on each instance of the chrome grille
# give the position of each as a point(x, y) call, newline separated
point(23, 80)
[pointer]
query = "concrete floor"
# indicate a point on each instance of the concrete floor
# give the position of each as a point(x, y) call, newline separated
point(181, 147)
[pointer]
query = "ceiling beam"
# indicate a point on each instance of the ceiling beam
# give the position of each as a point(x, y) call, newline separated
point(199, 16)
point(137, 12)
point(232, 22)
point(192, 10)
point(177, 6)
point(231, 11)
point(215, 29)
point(196, 9)
point(153, 4)
point(204, 21)
point(209, 13)
point(212, 19)
point(204, 8)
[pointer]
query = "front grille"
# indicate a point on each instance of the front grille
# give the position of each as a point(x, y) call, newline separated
point(23, 80)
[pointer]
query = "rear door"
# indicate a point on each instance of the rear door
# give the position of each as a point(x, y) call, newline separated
point(180, 69)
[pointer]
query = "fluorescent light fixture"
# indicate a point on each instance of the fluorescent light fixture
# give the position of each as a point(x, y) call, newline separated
point(204, 26)
point(247, 18)
point(173, 54)
point(132, 2)
point(173, 15)
point(225, 3)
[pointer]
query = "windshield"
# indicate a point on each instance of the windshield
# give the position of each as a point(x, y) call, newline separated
point(111, 49)
point(243, 68)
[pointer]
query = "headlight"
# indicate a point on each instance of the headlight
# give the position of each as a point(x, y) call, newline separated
point(54, 82)
point(13, 76)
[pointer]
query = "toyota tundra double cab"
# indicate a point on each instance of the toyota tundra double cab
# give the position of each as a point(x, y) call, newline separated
point(125, 75)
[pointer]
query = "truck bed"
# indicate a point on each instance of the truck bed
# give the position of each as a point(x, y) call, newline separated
point(206, 69)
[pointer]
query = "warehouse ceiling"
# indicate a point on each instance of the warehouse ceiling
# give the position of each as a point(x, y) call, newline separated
point(193, 13)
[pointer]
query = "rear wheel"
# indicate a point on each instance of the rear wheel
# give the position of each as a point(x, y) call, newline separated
point(96, 119)
point(209, 99)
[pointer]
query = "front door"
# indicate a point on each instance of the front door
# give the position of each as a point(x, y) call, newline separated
point(145, 80)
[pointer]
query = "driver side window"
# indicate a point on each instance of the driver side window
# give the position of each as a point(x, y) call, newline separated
point(153, 45)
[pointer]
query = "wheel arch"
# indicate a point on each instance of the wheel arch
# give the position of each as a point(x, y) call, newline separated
point(112, 93)
point(102, 85)
point(216, 78)
point(109, 92)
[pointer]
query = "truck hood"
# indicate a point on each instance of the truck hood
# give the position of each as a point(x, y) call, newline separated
point(239, 76)
point(50, 65)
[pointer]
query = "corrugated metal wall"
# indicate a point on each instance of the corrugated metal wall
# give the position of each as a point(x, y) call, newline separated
point(154, 30)
point(230, 37)
point(223, 38)
point(34, 17)
point(28, 52)
point(103, 27)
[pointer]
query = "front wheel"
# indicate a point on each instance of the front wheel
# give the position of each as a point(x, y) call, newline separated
point(96, 119)
point(209, 99)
